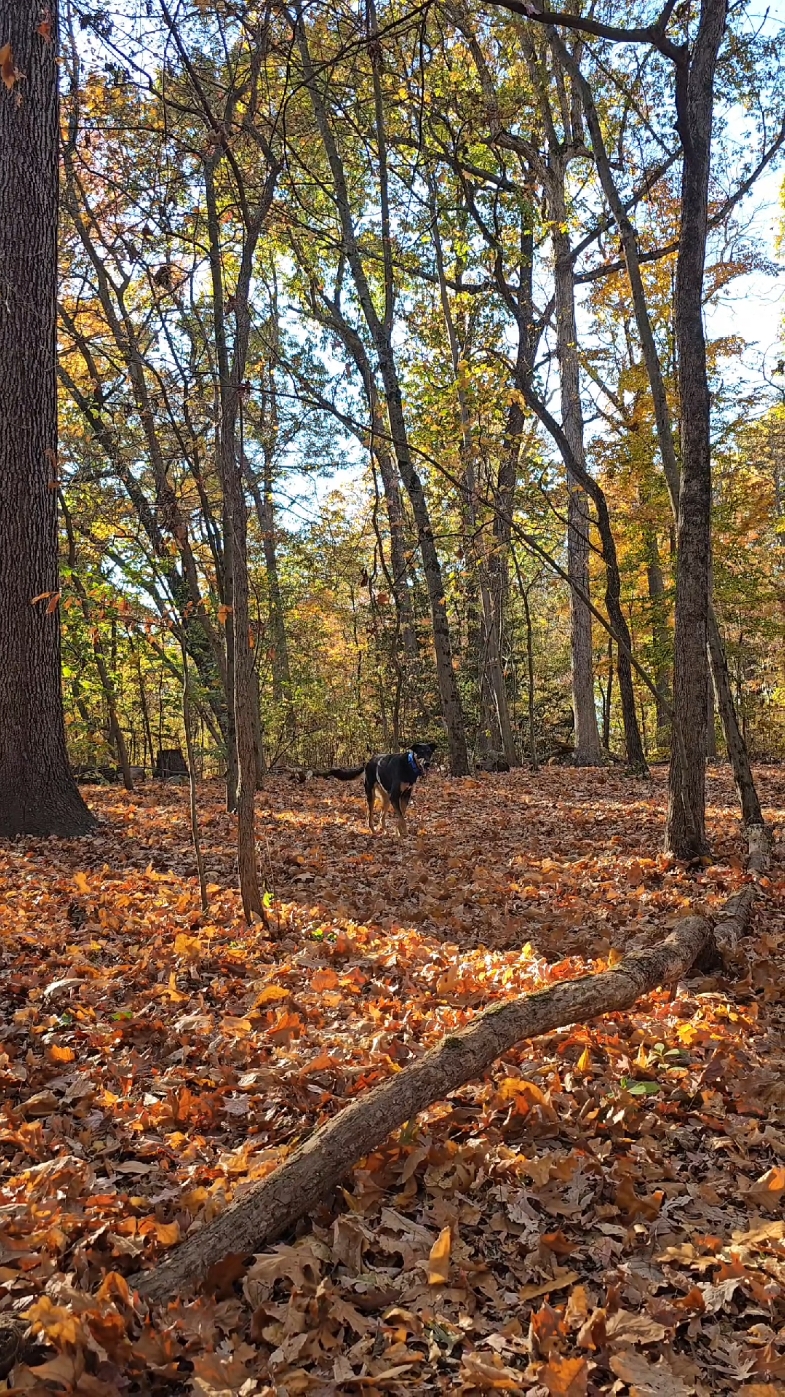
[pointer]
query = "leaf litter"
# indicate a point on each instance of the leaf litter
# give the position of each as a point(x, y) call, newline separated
point(603, 1212)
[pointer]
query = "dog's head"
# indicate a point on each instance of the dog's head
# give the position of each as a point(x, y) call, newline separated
point(424, 752)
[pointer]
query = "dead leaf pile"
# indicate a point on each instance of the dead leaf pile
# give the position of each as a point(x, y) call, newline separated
point(601, 1213)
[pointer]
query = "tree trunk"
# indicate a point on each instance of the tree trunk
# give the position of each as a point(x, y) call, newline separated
point(660, 639)
point(37, 792)
point(381, 333)
point(244, 672)
point(265, 513)
point(193, 803)
point(493, 690)
point(588, 749)
point(686, 830)
point(737, 748)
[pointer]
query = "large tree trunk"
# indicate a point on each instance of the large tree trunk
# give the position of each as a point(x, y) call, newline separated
point(37, 792)
point(686, 830)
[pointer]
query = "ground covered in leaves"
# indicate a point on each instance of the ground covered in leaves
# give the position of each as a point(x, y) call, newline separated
point(602, 1213)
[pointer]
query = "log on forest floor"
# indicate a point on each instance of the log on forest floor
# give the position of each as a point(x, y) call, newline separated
point(298, 1185)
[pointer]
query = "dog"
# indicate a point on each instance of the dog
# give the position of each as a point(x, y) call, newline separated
point(392, 776)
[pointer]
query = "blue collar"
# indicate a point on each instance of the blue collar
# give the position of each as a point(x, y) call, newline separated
point(414, 765)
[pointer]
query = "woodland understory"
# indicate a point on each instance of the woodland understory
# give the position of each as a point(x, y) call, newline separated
point(366, 380)
point(601, 1212)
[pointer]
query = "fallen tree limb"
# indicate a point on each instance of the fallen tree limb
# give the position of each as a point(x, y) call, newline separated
point(315, 1167)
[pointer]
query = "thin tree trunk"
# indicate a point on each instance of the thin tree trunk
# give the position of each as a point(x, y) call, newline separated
point(38, 794)
point(265, 512)
point(659, 637)
point(244, 673)
point(588, 749)
point(194, 807)
point(380, 330)
point(524, 592)
point(107, 684)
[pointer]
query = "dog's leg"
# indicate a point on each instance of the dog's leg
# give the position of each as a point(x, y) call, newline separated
point(370, 797)
point(399, 810)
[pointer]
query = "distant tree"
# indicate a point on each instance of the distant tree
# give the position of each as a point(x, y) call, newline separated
point(37, 792)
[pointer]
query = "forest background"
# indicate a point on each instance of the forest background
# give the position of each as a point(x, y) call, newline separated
point(279, 201)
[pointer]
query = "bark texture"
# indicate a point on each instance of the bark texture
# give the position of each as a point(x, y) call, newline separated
point(37, 792)
point(686, 824)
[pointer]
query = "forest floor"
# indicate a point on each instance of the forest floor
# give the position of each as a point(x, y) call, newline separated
point(602, 1213)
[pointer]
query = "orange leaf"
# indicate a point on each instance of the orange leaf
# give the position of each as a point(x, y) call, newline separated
point(9, 73)
point(53, 603)
point(566, 1377)
point(167, 1233)
point(272, 992)
point(324, 980)
point(58, 1054)
point(439, 1258)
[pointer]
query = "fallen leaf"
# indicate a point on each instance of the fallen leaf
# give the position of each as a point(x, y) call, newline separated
point(439, 1258)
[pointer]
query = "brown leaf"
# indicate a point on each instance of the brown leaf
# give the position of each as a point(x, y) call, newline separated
point(647, 1379)
point(627, 1328)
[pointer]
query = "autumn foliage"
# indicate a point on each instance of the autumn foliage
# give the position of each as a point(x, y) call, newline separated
point(604, 1207)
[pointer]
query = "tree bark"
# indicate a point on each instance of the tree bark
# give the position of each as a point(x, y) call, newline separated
point(686, 828)
point(660, 638)
point(588, 748)
point(37, 792)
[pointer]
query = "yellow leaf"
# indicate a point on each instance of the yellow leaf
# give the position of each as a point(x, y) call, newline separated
point(188, 946)
point(271, 993)
point(167, 1233)
point(80, 880)
point(557, 1282)
point(439, 1258)
point(584, 1061)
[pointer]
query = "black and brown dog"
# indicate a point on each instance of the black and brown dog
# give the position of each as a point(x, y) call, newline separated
point(392, 776)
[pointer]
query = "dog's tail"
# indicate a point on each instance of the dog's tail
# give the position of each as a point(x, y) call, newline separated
point(341, 773)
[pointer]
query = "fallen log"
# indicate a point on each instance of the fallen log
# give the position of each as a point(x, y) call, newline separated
point(314, 1168)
